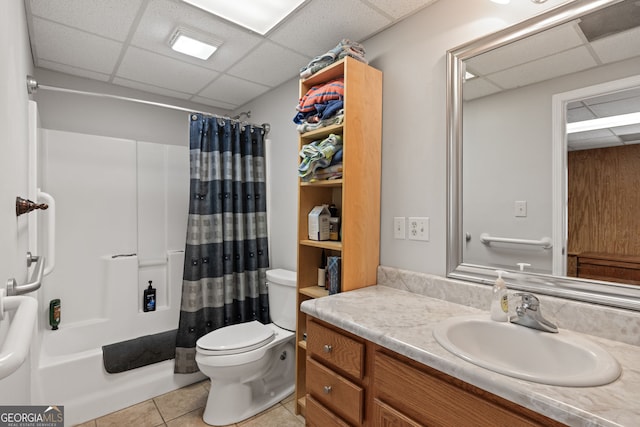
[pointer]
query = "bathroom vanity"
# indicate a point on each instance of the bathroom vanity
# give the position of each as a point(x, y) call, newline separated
point(344, 371)
point(372, 360)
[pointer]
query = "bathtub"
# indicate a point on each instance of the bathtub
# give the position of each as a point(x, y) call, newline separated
point(67, 366)
point(129, 229)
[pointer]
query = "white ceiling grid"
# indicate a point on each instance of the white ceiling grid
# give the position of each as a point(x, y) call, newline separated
point(125, 42)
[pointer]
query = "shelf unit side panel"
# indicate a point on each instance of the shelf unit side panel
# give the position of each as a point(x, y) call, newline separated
point(361, 188)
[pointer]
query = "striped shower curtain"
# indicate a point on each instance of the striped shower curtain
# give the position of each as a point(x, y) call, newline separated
point(226, 255)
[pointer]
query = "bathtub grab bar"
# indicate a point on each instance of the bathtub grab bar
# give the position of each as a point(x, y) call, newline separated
point(51, 230)
point(36, 277)
point(545, 242)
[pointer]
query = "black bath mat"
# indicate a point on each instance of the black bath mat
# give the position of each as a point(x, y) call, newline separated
point(138, 352)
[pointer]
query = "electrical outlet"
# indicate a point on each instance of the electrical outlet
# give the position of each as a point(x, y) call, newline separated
point(419, 228)
point(520, 208)
point(399, 231)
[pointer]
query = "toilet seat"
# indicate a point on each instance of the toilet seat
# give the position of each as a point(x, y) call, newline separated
point(235, 339)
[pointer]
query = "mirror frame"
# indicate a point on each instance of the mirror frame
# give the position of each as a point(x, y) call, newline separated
point(592, 291)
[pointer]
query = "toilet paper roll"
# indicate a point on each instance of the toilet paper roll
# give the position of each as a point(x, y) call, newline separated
point(322, 274)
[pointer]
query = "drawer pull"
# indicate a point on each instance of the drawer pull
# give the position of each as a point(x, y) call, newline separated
point(327, 389)
point(327, 348)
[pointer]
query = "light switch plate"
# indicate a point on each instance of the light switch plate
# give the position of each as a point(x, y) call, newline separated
point(520, 208)
point(399, 231)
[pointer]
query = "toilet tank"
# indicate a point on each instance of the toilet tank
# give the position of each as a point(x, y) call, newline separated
point(281, 285)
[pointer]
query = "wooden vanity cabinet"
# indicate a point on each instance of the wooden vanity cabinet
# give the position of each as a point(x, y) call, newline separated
point(319, 416)
point(336, 376)
point(353, 382)
point(408, 393)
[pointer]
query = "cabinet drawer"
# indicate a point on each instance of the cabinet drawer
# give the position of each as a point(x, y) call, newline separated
point(335, 349)
point(319, 416)
point(385, 415)
point(433, 401)
point(337, 393)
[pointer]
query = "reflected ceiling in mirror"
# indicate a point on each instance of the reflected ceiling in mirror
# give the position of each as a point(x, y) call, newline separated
point(575, 45)
point(622, 103)
point(602, 37)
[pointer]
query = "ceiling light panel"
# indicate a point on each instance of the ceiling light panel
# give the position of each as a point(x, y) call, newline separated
point(604, 123)
point(257, 15)
point(187, 44)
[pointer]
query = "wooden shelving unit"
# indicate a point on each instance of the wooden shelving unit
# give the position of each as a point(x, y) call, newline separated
point(314, 292)
point(357, 196)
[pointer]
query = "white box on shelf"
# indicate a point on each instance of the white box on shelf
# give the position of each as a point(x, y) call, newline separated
point(319, 228)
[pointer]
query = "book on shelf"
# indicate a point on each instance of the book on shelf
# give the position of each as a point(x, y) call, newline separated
point(333, 274)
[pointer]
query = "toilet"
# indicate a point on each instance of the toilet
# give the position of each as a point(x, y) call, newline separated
point(251, 365)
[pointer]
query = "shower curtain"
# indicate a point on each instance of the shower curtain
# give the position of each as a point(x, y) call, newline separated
point(226, 255)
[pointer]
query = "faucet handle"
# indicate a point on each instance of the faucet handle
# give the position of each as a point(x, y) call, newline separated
point(529, 301)
point(528, 313)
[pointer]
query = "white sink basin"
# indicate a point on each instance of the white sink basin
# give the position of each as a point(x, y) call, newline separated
point(16, 331)
point(563, 359)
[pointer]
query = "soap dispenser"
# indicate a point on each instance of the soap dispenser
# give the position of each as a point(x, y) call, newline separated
point(149, 301)
point(499, 299)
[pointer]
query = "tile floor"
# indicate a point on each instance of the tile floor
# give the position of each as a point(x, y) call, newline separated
point(184, 408)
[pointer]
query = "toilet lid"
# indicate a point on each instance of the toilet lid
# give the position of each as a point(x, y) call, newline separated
point(236, 338)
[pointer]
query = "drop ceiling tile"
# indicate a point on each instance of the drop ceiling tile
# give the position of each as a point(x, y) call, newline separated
point(588, 144)
point(579, 114)
point(157, 70)
point(161, 19)
point(477, 88)
point(545, 68)
point(107, 18)
point(603, 134)
point(320, 25)
point(82, 37)
point(623, 106)
point(399, 9)
point(541, 45)
point(614, 96)
point(264, 65)
point(611, 20)
point(65, 45)
point(72, 70)
point(592, 139)
point(626, 130)
point(630, 138)
point(619, 46)
point(233, 90)
point(150, 88)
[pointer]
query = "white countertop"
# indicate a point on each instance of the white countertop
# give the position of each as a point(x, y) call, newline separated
point(403, 322)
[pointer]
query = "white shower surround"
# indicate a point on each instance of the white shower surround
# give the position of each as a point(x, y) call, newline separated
point(113, 197)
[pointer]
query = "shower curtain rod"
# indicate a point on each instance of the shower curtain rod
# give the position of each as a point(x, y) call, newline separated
point(33, 85)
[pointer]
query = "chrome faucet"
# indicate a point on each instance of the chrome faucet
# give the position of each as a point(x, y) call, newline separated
point(528, 313)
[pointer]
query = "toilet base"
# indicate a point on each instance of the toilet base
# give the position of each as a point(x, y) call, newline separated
point(232, 403)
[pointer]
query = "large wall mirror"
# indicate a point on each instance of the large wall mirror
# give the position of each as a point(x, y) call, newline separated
point(544, 154)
